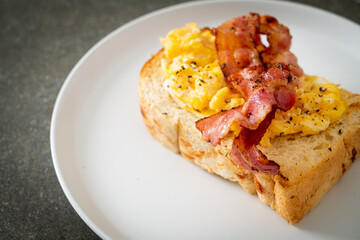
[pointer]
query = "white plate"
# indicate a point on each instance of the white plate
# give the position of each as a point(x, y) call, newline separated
point(124, 184)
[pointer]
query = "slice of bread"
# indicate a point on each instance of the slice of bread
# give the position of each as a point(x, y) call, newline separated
point(309, 165)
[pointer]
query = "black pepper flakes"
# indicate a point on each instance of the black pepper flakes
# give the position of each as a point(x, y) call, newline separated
point(291, 118)
point(183, 68)
point(257, 80)
point(292, 197)
point(223, 65)
point(164, 113)
point(340, 131)
point(322, 89)
point(317, 110)
point(330, 149)
point(203, 81)
point(335, 108)
point(281, 134)
point(289, 78)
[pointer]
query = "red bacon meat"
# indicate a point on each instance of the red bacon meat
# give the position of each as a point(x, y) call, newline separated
point(267, 77)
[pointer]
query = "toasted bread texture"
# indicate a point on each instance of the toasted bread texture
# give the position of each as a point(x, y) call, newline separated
point(309, 165)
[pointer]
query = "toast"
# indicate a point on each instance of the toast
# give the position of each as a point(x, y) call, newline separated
point(309, 165)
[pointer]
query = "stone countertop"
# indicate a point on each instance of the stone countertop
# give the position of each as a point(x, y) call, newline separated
point(40, 43)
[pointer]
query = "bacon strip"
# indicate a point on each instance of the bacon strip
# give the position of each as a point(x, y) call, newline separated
point(255, 110)
point(280, 41)
point(265, 76)
point(244, 152)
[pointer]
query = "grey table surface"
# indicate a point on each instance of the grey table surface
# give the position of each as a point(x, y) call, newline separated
point(40, 42)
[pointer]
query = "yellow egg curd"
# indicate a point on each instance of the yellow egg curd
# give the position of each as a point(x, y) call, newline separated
point(318, 104)
point(193, 74)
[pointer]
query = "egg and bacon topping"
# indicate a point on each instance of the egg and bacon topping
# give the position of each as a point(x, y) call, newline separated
point(194, 77)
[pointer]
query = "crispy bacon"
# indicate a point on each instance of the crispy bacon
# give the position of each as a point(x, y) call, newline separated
point(278, 51)
point(265, 76)
point(245, 153)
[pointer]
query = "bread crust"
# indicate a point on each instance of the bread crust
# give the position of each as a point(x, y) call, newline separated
point(309, 165)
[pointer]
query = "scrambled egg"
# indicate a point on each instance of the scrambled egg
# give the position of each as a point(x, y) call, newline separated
point(318, 104)
point(194, 77)
point(193, 74)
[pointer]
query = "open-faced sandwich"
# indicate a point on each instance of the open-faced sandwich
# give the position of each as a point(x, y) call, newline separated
point(239, 105)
